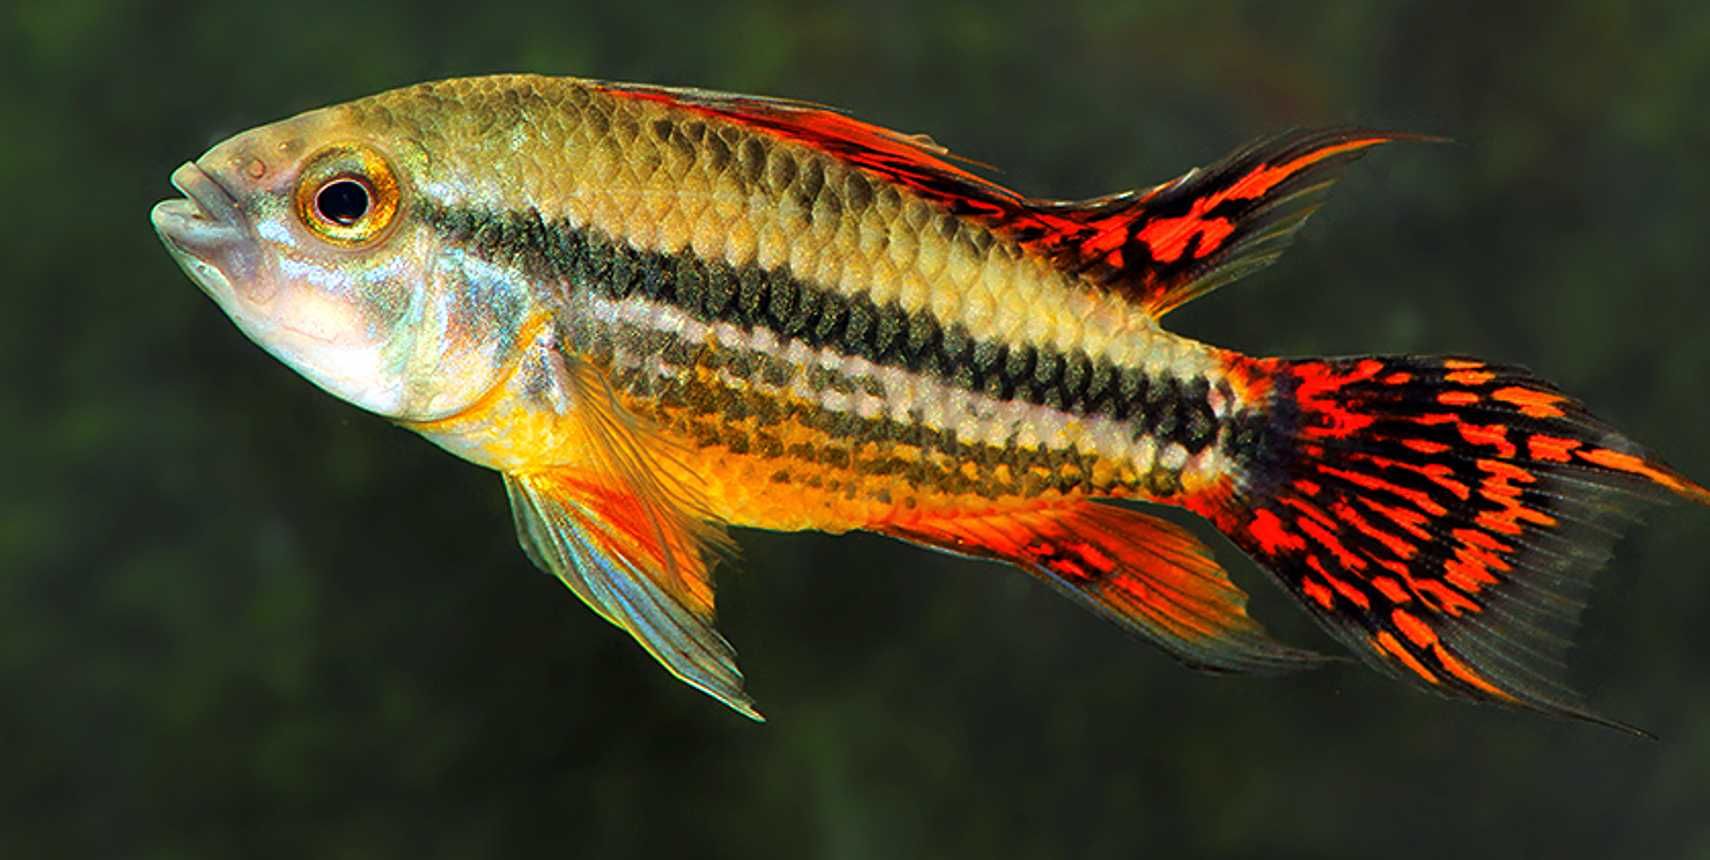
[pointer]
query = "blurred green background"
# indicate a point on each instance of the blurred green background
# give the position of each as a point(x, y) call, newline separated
point(238, 618)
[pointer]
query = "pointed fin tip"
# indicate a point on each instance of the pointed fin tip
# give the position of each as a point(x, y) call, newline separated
point(1181, 239)
point(630, 541)
point(1148, 575)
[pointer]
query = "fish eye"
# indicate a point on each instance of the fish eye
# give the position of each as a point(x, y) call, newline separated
point(342, 201)
point(347, 195)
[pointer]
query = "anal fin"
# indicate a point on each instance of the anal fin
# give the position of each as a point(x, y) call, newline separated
point(621, 527)
point(644, 573)
point(1145, 573)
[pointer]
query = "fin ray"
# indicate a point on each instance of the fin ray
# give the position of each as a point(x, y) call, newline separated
point(595, 541)
point(632, 542)
point(915, 161)
point(1442, 516)
point(1146, 574)
point(1210, 226)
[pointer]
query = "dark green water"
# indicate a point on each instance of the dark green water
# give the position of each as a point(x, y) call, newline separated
point(238, 618)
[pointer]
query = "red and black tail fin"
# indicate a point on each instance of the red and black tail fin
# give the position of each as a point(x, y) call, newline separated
point(1442, 516)
point(1185, 238)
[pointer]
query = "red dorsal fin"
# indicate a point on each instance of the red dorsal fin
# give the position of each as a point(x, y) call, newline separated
point(1185, 238)
point(1142, 572)
point(1160, 247)
point(914, 161)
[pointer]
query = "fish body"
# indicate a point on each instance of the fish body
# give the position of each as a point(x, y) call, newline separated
point(660, 313)
point(783, 316)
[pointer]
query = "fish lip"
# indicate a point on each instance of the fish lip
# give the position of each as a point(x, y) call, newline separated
point(201, 222)
point(205, 230)
point(216, 203)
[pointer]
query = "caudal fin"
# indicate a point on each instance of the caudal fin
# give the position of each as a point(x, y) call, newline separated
point(1442, 516)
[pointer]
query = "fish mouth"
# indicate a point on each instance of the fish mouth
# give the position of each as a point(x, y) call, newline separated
point(205, 230)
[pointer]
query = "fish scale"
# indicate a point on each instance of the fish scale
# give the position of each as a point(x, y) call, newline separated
point(760, 301)
point(633, 186)
point(660, 313)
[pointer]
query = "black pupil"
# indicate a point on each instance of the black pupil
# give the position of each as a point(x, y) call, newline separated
point(343, 202)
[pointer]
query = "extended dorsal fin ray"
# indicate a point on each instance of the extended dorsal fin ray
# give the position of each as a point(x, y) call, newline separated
point(1180, 240)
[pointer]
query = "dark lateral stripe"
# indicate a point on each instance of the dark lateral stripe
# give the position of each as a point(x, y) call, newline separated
point(715, 415)
point(1163, 407)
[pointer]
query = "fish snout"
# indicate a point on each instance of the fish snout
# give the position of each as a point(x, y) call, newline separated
point(208, 233)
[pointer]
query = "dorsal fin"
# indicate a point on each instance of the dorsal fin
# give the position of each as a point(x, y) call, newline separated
point(1160, 247)
point(1185, 238)
point(915, 161)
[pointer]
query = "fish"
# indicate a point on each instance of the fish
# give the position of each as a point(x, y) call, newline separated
point(662, 313)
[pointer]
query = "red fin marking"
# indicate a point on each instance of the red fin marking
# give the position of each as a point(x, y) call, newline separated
point(1183, 239)
point(1456, 547)
point(630, 531)
point(1632, 464)
point(1142, 572)
point(1167, 238)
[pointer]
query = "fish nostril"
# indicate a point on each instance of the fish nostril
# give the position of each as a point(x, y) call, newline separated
point(209, 195)
point(255, 169)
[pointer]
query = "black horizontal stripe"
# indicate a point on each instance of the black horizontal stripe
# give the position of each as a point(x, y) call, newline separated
point(1163, 407)
point(744, 417)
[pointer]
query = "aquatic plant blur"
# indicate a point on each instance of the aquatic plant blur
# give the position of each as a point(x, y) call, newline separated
point(238, 617)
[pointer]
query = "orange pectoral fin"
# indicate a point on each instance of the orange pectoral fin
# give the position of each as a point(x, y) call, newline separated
point(1142, 572)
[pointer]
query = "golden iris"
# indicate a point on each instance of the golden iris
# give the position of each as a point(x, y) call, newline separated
point(347, 195)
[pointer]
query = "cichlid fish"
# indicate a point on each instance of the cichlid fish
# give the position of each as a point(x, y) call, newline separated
point(662, 312)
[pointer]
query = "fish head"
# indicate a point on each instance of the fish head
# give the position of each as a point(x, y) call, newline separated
point(310, 234)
